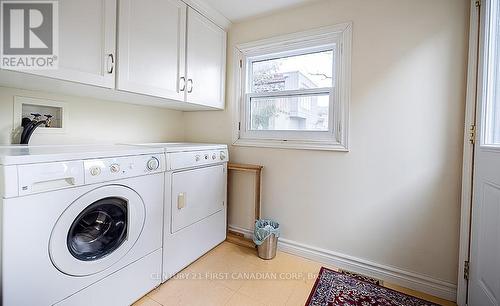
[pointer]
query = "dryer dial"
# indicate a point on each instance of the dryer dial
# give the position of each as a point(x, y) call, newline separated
point(153, 164)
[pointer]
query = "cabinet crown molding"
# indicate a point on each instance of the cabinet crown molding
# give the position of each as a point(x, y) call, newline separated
point(215, 16)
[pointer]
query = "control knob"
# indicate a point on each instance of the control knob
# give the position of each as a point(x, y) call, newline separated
point(153, 164)
point(222, 155)
point(114, 168)
point(95, 171)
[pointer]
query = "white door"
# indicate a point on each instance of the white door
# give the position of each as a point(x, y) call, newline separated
point(484, 284)
point(151, 47)
point(87, 36)
point(206, 59)
point(196, 194)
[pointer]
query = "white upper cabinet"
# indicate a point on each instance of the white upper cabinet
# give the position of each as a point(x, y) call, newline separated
point(86, 43)
point(206, 60)
point(154, 52)
point(151, 47)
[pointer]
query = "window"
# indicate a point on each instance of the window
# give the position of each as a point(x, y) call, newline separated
point(491, 101)
point(293, 91)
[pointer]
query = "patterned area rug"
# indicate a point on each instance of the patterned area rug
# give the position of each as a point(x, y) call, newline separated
point(361, 277)
point(337, 289)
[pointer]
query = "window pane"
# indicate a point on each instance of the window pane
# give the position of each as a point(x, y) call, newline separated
point(492, 111)
point(297, 113)
point(313, 70)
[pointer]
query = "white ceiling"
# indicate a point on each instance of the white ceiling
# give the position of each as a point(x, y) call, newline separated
point(237, 10)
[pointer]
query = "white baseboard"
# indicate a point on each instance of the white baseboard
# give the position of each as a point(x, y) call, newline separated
point(407, 279)
point(245, 232)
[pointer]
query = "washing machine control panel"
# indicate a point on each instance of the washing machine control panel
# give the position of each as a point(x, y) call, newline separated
point(109, 169)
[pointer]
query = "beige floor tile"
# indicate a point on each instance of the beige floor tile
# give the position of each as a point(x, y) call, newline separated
point(146, 301)
point(269, 292)
point(239, 299)
point(170, 292)
point(234, 275)
point(300, 294)
point(191, 292)
point(224, 268)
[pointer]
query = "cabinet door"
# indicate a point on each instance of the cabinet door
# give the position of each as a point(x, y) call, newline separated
point(206, 61)
point(87, 35)
point(151, 47)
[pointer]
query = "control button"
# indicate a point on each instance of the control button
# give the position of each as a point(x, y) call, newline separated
point(153, 164)
point(206, 156)
point(95, 171)
point(222, 155)
point(114, 168)
point(214, 156)
point(197, 157)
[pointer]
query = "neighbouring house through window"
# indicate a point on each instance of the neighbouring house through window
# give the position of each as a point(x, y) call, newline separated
point(294, 90)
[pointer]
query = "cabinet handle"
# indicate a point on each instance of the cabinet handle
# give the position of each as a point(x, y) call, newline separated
point(111, 63)
point(183, 82)
point(190, 88)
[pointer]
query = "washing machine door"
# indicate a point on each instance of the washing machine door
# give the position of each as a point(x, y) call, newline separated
point(97, 230)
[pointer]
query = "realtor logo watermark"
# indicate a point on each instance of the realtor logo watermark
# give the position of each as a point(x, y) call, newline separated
point(29, 35)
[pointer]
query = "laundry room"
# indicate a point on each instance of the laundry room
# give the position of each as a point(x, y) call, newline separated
point(231, 152)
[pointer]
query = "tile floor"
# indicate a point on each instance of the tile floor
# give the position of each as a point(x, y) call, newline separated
point(234, 275)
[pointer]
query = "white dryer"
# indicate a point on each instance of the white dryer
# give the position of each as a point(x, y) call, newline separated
point(195, 202)
point(80, 225)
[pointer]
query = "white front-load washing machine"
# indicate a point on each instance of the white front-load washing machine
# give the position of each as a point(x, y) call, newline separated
point(81, 225)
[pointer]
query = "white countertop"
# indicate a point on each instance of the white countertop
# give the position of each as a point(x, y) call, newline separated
point(171, 147)
point(21, 154)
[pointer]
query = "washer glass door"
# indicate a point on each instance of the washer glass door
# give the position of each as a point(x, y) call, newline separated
point(98, 230)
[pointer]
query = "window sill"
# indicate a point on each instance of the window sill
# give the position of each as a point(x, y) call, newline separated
point(296, 145)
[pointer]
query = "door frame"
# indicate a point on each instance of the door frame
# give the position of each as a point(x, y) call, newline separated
point(470, 127)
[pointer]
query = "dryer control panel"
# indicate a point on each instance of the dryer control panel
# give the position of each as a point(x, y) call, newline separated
point(109, 169)
point(181, 160)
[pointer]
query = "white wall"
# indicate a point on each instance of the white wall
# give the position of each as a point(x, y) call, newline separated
point(97, 121)
point(394, 198)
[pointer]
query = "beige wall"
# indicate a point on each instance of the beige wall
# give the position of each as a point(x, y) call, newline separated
point(394, 198)
point(97, 121)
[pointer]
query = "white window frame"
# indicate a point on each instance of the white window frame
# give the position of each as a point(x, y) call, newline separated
point(336, 138)
point(489, 40)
